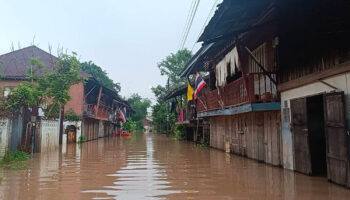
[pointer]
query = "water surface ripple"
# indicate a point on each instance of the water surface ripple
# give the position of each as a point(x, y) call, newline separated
point(152, 166)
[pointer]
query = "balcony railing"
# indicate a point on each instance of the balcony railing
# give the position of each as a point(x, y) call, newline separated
point(102, 113)
point(256, 87)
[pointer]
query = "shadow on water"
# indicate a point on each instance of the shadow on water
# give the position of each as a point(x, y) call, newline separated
point(148, 166)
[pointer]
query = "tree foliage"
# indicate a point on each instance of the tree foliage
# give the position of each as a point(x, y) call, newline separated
point(171, 66)
point(71, 116)
point(139, 107)
point(50, 89)
point(100, 75)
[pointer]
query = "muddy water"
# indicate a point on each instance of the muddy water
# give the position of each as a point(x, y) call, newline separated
point(156, 167)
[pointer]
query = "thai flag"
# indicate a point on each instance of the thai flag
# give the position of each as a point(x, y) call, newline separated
point(122, 114)
point(199, 84)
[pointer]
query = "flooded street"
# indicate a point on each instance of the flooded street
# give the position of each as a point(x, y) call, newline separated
point(157, 167)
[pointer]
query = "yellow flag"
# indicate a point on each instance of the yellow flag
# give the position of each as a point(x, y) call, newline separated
point(189, 92)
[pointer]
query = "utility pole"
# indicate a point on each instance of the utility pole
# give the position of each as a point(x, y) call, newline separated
point(167, 109)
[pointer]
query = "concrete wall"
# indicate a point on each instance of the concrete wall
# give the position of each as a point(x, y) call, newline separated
point(255, 135)
point(342, 82)
point(77, 124)
point(49, 135)
point(5, 135)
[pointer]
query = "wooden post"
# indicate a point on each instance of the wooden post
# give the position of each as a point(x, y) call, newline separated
point(61, 119)
point(260, 65)
point(98, 100)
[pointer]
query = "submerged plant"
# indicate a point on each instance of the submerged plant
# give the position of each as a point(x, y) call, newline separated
point(82, 139)
point(14, 161)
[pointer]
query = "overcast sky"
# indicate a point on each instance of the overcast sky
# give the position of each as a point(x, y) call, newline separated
point(126, 38)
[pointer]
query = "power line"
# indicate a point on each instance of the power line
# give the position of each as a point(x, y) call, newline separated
point(188, 31)
point(186, 22)
point(190, 24)
point(206, 22)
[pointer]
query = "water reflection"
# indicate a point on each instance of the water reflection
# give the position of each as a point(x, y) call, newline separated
point(156, 167)
point(141, 178)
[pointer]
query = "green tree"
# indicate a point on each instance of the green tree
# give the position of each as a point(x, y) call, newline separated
point(100, 75)
point(52, 88)
point(171, 66)
point(139, 107)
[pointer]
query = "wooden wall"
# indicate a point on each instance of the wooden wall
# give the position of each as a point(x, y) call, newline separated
point(255, 135)
point(90, 129)
point(93, 129)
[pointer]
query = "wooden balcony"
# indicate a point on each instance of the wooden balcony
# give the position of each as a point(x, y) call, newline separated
point(91, 111)
point(254, 88)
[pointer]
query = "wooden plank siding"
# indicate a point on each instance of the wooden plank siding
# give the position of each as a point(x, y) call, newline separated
point(234, 94)
point(90, 129)
point(255, 135)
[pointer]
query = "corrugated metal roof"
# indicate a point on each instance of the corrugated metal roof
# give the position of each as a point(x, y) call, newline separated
point(233, 17)
point(191, 65)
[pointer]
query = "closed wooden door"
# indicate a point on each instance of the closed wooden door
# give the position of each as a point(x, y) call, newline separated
point(302, 159)
point(336, 139)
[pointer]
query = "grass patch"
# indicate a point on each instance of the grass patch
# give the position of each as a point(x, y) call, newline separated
point(14, 161)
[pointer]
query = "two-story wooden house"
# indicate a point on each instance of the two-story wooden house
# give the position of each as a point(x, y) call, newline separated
point(270, 57)
point(240, 99)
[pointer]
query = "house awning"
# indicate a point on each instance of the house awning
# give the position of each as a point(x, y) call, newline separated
point(176, 92)
point(196, 61)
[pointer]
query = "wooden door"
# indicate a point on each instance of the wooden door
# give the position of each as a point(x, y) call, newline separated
point(336, 138)
point(302, 158)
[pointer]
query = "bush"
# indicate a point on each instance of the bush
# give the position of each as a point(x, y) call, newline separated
point(71, 116)
point(10, 157)
point(20, 156)
point(82, 139)
point(130, 126)
point(179, 131)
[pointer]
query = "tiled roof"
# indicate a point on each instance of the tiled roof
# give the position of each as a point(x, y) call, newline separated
point(15, 65)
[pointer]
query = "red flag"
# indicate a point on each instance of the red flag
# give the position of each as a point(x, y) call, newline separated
point(181, 117)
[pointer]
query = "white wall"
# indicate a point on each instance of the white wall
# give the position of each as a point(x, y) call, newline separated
point(5, 130)
point(49, 135)
point(77, 124)
point(342, 82)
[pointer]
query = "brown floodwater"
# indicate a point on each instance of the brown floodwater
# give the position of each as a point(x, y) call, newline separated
point(152, 166)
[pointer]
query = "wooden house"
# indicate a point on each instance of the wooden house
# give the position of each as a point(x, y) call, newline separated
point(278, 88)
point(197, 129)
point(96, 105)
point(314, 66)
point(240, 100)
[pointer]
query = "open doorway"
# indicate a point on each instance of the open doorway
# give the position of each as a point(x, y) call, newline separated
point(71, 132)
point(316, 130)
